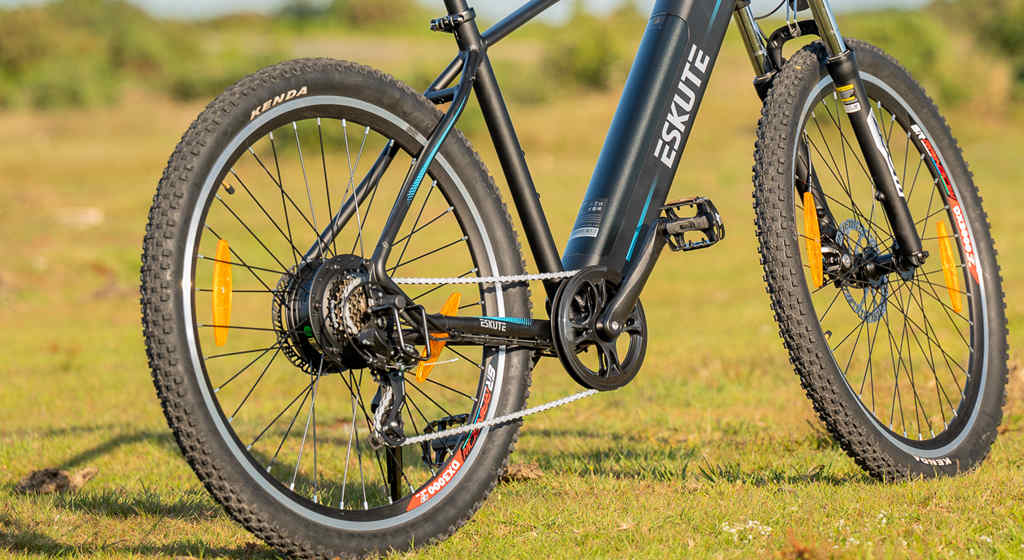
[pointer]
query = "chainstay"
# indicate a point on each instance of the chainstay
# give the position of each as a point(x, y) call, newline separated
point(497, 421)
point(489, 279)
point(512, 279)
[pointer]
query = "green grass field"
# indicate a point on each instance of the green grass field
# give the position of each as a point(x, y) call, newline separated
point(712, 452)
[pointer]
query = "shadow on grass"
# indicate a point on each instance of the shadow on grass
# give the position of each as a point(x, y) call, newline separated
point(733, 473)
point(641, 457)
point(15, 537)
point(160, 439)
point(122, 504)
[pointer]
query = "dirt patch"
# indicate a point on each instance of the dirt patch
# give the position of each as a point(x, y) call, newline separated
point(522, 471)
point(48, 481)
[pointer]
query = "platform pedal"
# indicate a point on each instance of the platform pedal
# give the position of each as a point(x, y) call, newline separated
point(707, 222)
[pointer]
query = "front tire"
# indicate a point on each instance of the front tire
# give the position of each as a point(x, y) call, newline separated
point(908, 385)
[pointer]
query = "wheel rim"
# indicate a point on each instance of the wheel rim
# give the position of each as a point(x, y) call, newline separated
point(302, 421)
point(913, 363)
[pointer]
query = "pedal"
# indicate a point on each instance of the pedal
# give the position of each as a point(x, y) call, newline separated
point(706, 223)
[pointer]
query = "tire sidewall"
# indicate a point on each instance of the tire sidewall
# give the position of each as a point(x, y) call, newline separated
point(209, 455)
point(980, 433)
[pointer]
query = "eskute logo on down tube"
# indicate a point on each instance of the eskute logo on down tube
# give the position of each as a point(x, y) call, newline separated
point(967, 241)
point(455, 464)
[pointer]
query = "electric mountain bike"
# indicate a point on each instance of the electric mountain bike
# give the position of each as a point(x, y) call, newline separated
point(337, 312)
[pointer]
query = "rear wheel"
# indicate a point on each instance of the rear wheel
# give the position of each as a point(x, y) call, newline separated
point(907, 368)
point(250, 341)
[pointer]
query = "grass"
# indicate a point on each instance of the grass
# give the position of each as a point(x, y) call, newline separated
point(712, 452)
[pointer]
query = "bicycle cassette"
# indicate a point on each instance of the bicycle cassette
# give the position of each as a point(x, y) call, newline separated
point(593, 360)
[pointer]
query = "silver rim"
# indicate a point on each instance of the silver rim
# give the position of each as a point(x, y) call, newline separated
point(496, 363)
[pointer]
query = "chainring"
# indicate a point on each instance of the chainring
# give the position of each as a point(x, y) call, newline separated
point(579, 303)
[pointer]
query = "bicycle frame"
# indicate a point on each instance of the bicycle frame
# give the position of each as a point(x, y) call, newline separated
point(617, 224)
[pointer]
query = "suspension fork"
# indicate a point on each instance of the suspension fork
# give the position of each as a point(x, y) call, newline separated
point(842, 66)
point(766, 67)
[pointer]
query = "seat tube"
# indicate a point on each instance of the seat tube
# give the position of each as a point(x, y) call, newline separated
point(842, 66)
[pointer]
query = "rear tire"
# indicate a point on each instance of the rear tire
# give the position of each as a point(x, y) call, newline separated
point(914, 388)
point(203, 193)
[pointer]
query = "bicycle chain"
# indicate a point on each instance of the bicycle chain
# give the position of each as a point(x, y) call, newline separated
point(497, 421)
point(514, 415)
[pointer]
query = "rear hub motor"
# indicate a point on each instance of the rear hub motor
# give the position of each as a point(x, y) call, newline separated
point(319, 312)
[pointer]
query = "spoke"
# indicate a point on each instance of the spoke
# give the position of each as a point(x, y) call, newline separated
point(351, 179)
point(848, 144)
point(237, 328)
point(940, 390)
point(247, 267)
point(925, 280)
point(233, 291)
point(253, 388)
point(280, 187)
point(427, 254)
point(267, 214)
point(290, 426)
point(309, 191)
point(956, 380)
point(408, 238)
point(286, 198)
point(359, 452)
point(327, 185)
point(854, 209)
point(348, 452)
point(439, 384)
point(305, 432)
point(921, 330)
point(254, 350)
point(917, 174)
point(931, 293)
point(243, 265)
point(426, 224)
point(301, 394)
point(463, 356)
point(429, 398)
point(426, 421)
point(835, 298)
point(246, 366)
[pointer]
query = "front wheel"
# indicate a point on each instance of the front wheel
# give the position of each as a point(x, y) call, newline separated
point(251, 333)
point(907, 368)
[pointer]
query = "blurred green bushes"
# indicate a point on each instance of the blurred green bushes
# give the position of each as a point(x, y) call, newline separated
point(593, 52)
point(83, 52)
point(998, 24)
point(390, 15)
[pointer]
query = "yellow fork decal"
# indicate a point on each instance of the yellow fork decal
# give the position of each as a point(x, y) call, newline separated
point(812, 234)
point(451, 307)
point(949, 266)
point(222, 293)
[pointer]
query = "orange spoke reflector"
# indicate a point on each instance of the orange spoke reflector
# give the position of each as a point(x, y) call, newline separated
point(451, 307)
point(222, 293)
point(949, 266)
point(812, 233)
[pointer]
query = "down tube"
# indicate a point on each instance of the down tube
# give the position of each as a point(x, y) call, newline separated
point(649, 132)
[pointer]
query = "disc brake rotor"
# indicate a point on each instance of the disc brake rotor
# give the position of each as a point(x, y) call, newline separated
point(870, 306)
